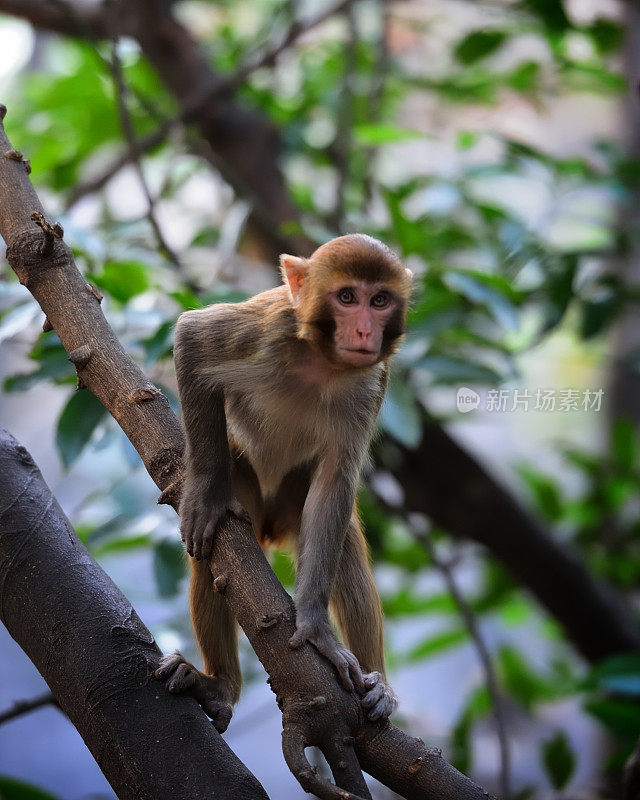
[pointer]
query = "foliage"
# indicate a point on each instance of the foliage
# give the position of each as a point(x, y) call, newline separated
point(496, 278)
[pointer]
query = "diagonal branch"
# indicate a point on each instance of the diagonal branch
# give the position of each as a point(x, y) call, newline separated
point(97, 656)
point(314, 706)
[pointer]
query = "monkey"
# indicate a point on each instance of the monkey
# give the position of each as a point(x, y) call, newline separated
point(293, 380)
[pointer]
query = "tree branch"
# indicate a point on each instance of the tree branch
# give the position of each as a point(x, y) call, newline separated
point(96, 655)
point(472, 625)
point(25, 706)
point(316, 710)
point(443, 481)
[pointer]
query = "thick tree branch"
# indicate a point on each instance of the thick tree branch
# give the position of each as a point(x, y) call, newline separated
point(96, 655)
point(316, 710)
point(443, 481)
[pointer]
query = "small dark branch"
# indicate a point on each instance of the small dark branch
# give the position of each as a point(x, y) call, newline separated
point(25, 706)
point(50, 232)
point(144, 146)
point(441, 480)
point(340, 150)
point(126, 122)
point(265, 58)
point(69, 18)
point(470, 621)
point(376, 95)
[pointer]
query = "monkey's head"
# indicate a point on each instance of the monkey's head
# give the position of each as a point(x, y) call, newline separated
point(350, 299)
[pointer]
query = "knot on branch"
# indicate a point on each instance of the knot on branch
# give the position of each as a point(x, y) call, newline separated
point(16, 155)
point(27, 259)
point(94, 291)
point(80, 356)
point(165, 467)
point(51, 231)
point(269, 620)
point(220, 584)
point(3, 111)
point(170, 496)
point(144, 395)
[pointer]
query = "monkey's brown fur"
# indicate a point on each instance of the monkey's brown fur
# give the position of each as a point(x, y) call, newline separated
point(298, 410)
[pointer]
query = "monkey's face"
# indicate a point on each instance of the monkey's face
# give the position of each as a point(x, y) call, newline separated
point(367, 320)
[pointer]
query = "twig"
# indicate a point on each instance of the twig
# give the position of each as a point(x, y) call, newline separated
point(25, 706)
point(469, 619)
point(267, 57)
point(340, 152)
point(144, 145)
point(378, 78)
point(126, 122)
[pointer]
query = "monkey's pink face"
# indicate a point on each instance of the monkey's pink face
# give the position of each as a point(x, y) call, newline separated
point(361, 312)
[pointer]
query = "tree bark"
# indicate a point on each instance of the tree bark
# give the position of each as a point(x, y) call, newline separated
point(316, 710)
point(96, 655)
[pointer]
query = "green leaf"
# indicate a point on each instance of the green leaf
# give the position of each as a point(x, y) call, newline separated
point(13, 789)
point(624, 445)
point(622, 717)
point(520, 680)
point(559, 760)
point(477, 288)
point(160, 343)
point(617, 675)
point(400, 415)
point(381, 133)
point(169, 566)
point(478, 45)
point(438, 644)
point(282, 565)
point(607, 35)
point(449, 370)
point(546, 493)
point(123, 279)
point(76, 424)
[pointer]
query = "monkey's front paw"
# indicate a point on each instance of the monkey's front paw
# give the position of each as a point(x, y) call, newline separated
point(212, 693)
point(324, 640)
point(379, 698)
point(201, 513)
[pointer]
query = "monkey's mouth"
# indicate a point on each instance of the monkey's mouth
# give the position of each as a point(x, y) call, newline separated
point(361, 352)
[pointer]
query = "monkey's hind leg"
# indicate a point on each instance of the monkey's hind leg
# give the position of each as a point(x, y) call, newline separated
point(218, 688)
point(355, 606)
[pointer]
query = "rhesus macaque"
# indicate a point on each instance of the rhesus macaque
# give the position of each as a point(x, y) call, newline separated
point(293, 379)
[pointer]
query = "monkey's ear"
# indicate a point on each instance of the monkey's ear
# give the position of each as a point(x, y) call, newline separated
point(294, 271)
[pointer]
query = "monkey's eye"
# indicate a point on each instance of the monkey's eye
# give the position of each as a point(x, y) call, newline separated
point(380, 300)
point(346, 296)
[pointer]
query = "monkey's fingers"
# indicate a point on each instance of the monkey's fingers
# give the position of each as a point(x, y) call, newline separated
point(204, 543)
point(380, 701)
point(355, 672)
point(293, 745)
point(298, 639)
point(168, 665)
point(220, 713)
point(338, 657)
